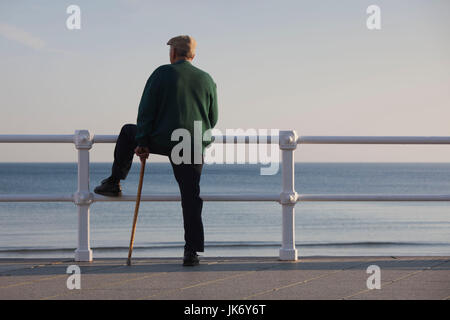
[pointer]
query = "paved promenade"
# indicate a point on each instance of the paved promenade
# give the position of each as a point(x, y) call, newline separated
point(229, 278)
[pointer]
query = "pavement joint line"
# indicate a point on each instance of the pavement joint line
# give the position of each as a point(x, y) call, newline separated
point(210, 281)
point(32, 266)
point(32, 282)
point(290, 285)
point(104, 286)
point(303, 281)
point(200, 284)
point(388, 283)
point(383, 285)
point(139, 278)
point(45, 279)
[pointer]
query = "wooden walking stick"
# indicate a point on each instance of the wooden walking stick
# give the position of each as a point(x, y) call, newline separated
point(136, 210)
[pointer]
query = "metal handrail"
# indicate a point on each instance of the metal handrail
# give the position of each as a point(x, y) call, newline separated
point(372, 140)
point(69, 138)
point(238, 197)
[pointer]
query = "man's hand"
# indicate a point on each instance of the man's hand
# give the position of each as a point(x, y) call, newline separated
point(142, 152)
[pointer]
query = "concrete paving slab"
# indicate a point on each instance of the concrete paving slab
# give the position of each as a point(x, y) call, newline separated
point(229, 278)
point(418, 285)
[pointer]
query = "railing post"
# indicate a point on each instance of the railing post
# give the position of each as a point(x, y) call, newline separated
point(83, 197)
point(288, 196)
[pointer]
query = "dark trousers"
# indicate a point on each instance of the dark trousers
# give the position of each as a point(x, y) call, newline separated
point(187, 177)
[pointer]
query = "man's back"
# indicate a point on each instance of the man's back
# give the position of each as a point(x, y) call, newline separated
point(174, 97)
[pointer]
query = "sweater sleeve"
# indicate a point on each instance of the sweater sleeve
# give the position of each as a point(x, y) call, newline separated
point(147, 110)
point(213, 108)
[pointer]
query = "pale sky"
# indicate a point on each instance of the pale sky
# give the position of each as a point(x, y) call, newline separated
point(312, 66)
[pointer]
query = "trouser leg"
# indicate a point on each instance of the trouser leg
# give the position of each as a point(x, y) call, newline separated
point(124, 152)
point(186, 175)
point(188, 178)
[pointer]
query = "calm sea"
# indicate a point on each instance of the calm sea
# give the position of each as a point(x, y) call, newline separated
point(237, 228)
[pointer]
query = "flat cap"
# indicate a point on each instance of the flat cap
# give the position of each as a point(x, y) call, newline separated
point(184, 44)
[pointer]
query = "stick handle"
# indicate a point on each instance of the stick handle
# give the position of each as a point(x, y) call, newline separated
point(136, 209)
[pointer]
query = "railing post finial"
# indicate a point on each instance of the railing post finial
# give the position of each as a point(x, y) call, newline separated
point(288, 140)
point(82, 139)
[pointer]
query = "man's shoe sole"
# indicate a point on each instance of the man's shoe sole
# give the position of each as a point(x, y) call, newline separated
point(108, 194)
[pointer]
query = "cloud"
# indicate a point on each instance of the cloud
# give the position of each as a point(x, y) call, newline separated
point(23, 37)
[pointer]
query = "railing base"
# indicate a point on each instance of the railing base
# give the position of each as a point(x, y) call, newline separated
point(288, 254)
point(83, 255)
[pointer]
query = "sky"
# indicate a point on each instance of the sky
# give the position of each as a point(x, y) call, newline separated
point(311, 66)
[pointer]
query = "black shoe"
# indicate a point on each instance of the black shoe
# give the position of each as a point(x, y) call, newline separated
point(109, 187)
point(190, 258)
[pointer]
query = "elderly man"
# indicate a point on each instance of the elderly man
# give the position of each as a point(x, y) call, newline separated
point(175, 96)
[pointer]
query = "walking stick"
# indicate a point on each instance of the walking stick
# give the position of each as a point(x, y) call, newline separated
point(136, 210)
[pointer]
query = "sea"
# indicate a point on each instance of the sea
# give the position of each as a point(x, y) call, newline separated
point(49, 230)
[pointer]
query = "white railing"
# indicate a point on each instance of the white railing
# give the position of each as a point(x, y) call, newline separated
point(287, 141)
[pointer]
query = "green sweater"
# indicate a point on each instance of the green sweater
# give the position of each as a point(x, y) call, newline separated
point(174, 97)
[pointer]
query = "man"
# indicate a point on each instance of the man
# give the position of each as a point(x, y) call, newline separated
point(175, 96)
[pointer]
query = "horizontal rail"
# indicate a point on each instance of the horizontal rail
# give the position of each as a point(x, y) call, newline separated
point(151, 197)
point(260, 139)
point(373, 197)
point(206, 197)
point(69, 138)
point(36, 198)
point(36, 138)
point(371, 140)
point(232, 197)
point(104, 138)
